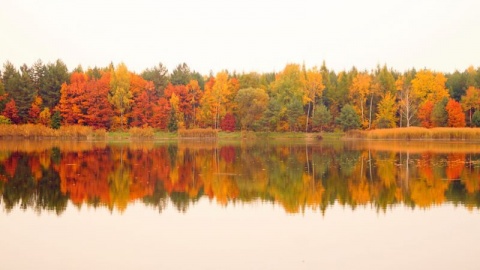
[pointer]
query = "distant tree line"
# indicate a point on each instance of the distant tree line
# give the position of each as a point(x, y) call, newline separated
point(294, 99)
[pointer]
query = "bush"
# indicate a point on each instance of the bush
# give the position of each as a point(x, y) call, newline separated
point(5, 120)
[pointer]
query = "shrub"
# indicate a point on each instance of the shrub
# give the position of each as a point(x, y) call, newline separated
point(5, 120)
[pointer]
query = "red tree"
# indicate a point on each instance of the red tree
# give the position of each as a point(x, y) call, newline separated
point(161, 112)
point(34, 112)
point(99, 110)
point(228, 123)
point(143, 107)
point(185, 104)
point(456, 116)
point(72, 100)
point(11, 112)
point(425, 114)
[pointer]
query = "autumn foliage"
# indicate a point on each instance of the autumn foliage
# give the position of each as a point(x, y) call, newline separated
point(456, 116)
point(115, 98)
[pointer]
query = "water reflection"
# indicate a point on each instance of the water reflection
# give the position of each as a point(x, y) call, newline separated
point(47, 175)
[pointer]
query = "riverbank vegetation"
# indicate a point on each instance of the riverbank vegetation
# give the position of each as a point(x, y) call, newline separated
point(416, 133)
point(296, 99)
point(31, 131)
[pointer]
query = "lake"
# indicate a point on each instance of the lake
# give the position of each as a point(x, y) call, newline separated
point(239, 205)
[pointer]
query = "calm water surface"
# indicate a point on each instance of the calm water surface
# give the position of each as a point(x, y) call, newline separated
point(240, 205)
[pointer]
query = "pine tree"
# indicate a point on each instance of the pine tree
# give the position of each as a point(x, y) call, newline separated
point(56, 120)
point(172, 123)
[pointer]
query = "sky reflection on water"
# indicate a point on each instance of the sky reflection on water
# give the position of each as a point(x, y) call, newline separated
point(242, 236)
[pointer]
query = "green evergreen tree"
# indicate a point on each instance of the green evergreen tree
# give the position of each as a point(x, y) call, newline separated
point(348, 118)
point(49, 86)
point(271, 117)
point(322, 116)
point(476, 119)
point(181, 75)
point(294, 111)
point(56, 120)
point(439, 114)
point(172, 123)
point(159, 76)
point(25, 94)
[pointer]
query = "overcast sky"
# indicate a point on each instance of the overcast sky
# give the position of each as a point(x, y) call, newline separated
point(243, 35)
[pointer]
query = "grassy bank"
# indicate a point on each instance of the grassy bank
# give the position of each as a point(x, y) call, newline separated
point(416, 133)
point(202, 134)
point(239, 135)
point(31, 131)
point(76, 132)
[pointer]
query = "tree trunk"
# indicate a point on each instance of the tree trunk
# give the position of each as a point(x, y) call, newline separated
point(308, 113)
point(471, 117)
point(370, 116)
point(363, 117)
point(216, 117)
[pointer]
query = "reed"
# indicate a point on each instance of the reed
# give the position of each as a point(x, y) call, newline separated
point(75, 132)
point(141, 133)
point(416, 133)
point(207, 133)
point(100, 134)
point(37, 131)
point(415, 146)
point(28, 131)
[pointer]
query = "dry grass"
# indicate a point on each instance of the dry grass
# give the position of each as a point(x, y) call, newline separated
point(416, 133)
point(206, 133)
point(415, 147)
point(141, 133)
point(31, 131)
point(75, 132)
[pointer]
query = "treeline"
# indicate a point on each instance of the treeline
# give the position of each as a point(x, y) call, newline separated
point(294, 99)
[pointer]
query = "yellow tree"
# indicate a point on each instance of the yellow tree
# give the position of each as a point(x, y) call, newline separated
point(251, 104)
point(387, 112)
point(289, 91)
point(471, 101)
point(221, 91)
point(174, 101)
point(429, 86)
point(120, 96)
point(313, 83)
point(195, 93)
point(45, 117)
point(359, 90)
point(207, 112)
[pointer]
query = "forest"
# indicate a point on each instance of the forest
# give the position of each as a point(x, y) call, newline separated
point(295, 99)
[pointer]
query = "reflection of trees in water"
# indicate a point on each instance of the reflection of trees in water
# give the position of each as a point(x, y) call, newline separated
point(295, 176)
point(22, 189)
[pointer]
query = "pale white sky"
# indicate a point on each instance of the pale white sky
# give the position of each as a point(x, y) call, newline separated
point(243, 35)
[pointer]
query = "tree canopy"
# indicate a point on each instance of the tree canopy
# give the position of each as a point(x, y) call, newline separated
point(296, 98)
